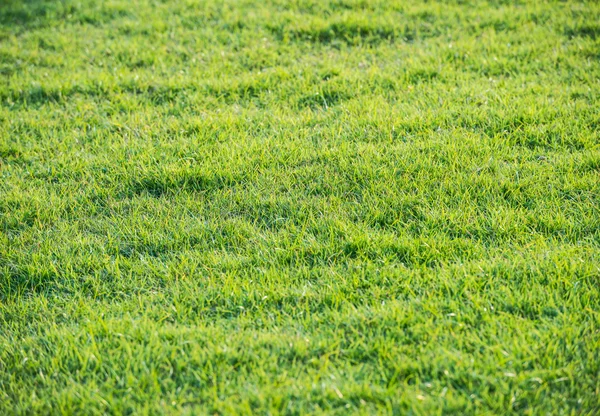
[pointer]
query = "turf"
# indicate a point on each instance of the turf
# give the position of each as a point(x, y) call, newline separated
point(299, 206)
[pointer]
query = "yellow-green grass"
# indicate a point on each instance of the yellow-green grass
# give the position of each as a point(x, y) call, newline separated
point(299, 206)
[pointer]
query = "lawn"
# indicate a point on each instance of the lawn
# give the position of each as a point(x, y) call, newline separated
point(299, 206)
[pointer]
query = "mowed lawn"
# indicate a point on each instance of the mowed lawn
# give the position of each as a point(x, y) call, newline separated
point(299, 206)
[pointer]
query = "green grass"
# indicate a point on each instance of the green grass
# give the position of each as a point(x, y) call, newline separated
point(299, 206)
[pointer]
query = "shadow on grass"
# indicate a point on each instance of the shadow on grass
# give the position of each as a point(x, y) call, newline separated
point(28, 14)
point(18, 16)
point(158, 186)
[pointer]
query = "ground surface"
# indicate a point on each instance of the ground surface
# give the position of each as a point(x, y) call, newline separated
point(299, 206)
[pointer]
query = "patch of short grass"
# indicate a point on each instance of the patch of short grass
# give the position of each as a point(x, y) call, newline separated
point(343, 206)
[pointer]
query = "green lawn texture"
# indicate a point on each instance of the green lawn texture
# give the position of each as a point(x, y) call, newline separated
point(299, 207)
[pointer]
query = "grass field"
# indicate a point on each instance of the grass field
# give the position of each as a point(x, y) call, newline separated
point(299, 206)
